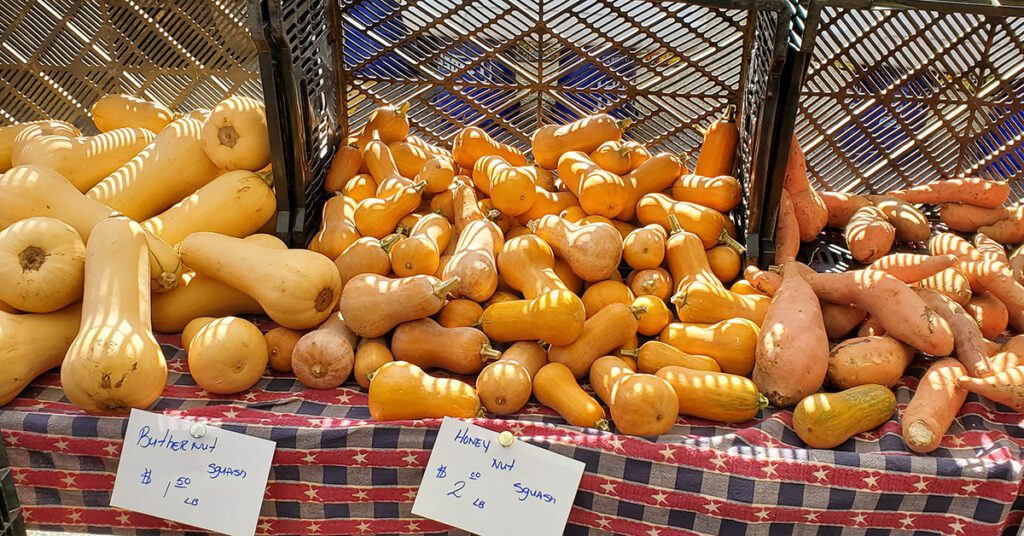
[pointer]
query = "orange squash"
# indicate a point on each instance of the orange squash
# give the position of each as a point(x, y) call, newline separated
point(460, 313)
point(654, 282)
point(652, 356)
point(718, 152)
point(474, 261)
point(613, 156)
point(344, 167)
point(600, 192)
point(390, 123)
point(654, 175)
point(548, 203)
point(555, 387)
point(601, 333)
point(402, 391)
point(371, 354)
point(337, 231)
point(360, 187)
point(644, 248)
point(504, 387)
point(556, 317)
point(701, 302)
point(604, 293)
point(731, 342)
point(653, 315)
point(688, 261)
point(530, 354)
point(366, 255)
point(715, 396)
point(593, 251)
point(420, 254)
point(552, 141)
point(643, 405)
point(527, 264)
point(725, 263)
point(605, 373)
point(379, 217)
point(706, 223)
point(371, 304)
point(280, 344)
point(722, 193)
point(473, 143)
point(463, 351)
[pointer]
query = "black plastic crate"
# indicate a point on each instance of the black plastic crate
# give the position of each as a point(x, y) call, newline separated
point(509, 66)
point(11, 522)
point(884, 95)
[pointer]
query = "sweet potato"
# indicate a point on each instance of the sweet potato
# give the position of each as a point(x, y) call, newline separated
point(811, 212)
point(969, 343)
point(995, 277)
point(1004, 361)
point(968, 218)
point(869, 235)
point(989, 248)
point(1006, 387)
point(840, 319)
point(935, 404)
point(911, 225)
point(841, 207)
point(1016, 264)
point(1014, 345)
point(951, 283)
point(1008, 230)
point(792, 349)
point(951, 244)
point(787, 232)
point(901, 312)
point(766, 283)
point(912, 267)
point(978, 192)
point(865, 360)
point(990, 314)
point(870, 328)
point(992, 348)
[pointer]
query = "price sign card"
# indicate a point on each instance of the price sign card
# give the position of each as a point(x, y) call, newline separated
point(192, 473)
point(475, 483)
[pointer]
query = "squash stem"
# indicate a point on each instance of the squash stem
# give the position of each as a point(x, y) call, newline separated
point(630, 352)
point(673, 223)
point(389, 241)
point(638, 310)
point(729, 116)
point(442, 288)
point(602, 424)
point(762, 401)
point(724, 238)
point(679, 299)
point(403, 109)
point(532, 226)
point(488, 353)
point(623, 123)
point(268, 178)
point(419, 186)
point(493, 214)
point(775, 268)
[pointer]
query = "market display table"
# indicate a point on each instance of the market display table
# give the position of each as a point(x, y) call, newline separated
point(337, 472)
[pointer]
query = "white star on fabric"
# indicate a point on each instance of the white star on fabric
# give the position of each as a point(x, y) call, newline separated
point(603, 522)
point(812, 517)
point(820, 474)
point(309, 457)
point(363, 526)
point(230, 414)
point(921, 485)
point(344, 398)
point(411, 495)
point(202, 393)
point(11, 440)
point(69, 480)
point(311, 493)
point(19, 476)
point(111, 449)
point(123, 518)
point(718, 463)
point(608, 487)
point(314, 527)
point(413, 526)
point(712, 506)
point(61, 444)
point(659, 497)
point(769, 469)
point(653, 532)
point(907, 521)
point(362, 495)
point(970, 488)
point(668, 453)
point(410, 458)
point(957, 526)
point(75, 516)
point(859, 518)
point(957, 442)
point(615, 442)
point(266, 526)
point(361, 457)
point(761, 515)
point(871, 480)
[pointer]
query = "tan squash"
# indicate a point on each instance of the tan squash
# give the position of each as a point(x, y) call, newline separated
point(114, 111)
point(530, 354)
point(237, 204)
point(371, 354)
point(83, 161)
point(198, 296)
point(605, 373)
point(366, 255)
point(379, 217)
point(42, 262)
point(114, 370)
point(527, 264)
point(593, 251)
point(38, 128)
point(656, 174)
point(306, 285)
point(30, 191)
point(731, 342)
point(402, 391)
point(474, 261)
point(601, 333)
point(337, 230)
point(556, 317)
point(227, 356)
point(428, 345)
point(373, 304)
point(324, 358)
point(280, 345)
point(644, 248)
point(192, 329)
point(235, 134)
point(555, 387)
point(654, 282)
point(390, 123)
point(420, 254)
point(827, 420)
point(31, 344)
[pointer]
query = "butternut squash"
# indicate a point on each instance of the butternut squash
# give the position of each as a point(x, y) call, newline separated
point(706, 223)
point(700, 302)
point(473, 262)
point(546, 203)
point(38, 128)
point(473, 143)
point(31, 344)
point(655, 355)
point(390, 123)
point(688, 261)
point(552, 141)
point(568, 277)
point(428, 345)
point(530, 354)
point(237, 204)
point(555, 387)
point(115, 363)
point(731, 343)
point(227, 356)
point(305, 285)
point(555, 317)
point(601, 333)
point(379, 217)
point(593, 251)
point(715, 396)
point(644, 248)
point(235, 134)
point(504, 387)
point(360, 187)
point(371, 354)
point(198, 296)
point(115, 111)
point(527, 264)
point(604, 293)
point(420, 254)
point(172, 167)
point(344, 167)
point(439, 172)
point(864, 360)
point(613, 156)
point(192, 329)
point(722, 193)
point(827, 420)
point(605, 373)
point(460, 313)
point(402, 391)
point(324, 358)
point(408, 158)
point(643, 405)
point(29, 191)
point(654, 175)
point(337, 230)
point(280, 346)
point(725, 263)
point(654, 315)
point(83, 161)
point(366, 255)
point(42, 262)
point(655, 282)
point(373, 304)
point(512, 189)
point(718, 151)
point(600, 192)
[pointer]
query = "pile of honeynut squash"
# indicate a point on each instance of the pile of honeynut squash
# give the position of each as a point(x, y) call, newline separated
point(595, 262)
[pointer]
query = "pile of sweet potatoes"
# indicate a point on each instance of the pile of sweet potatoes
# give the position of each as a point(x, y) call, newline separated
point(865, 326)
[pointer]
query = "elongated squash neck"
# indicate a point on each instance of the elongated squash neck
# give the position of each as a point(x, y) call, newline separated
point(117, 278)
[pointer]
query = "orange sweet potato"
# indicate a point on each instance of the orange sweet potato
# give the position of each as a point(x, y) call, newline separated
point(902, 313)
point(792, 349)
point(870, 328)
point(912, 267)
point(935, 404)
point(865, 360)
point(766, 283)
point(1009, 230)
point(969, 343)
point(1006, 387)
point(787, 232)
point(840, 319)
point(810, 210)
point(951, 283)
point(995, 277)
point(911, 224)
point(968, 218)
point(989, 248)
point(1017, 264)
point(990, 313)
point(869, 234)
point(978, 192)
point(841, 207)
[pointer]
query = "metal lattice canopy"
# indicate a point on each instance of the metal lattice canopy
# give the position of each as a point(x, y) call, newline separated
point(897, 97)
point(58, 56)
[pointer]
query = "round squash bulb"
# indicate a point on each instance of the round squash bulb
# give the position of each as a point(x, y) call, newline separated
point(227, 356)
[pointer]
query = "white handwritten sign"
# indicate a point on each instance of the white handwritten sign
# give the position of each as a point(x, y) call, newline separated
point(192, 473)
point(474, 483)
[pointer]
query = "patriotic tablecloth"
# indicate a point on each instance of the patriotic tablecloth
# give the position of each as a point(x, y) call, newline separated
point(336, 472)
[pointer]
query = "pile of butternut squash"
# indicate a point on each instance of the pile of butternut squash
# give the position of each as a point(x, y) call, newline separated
point(104, 237)
point(923, 290)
